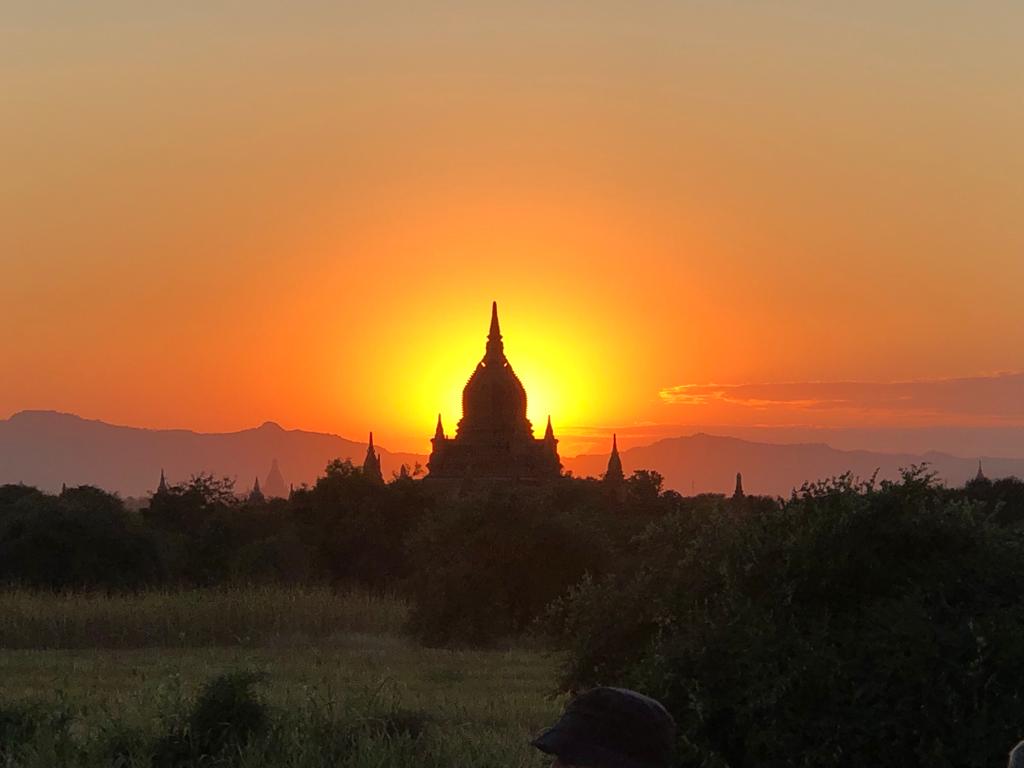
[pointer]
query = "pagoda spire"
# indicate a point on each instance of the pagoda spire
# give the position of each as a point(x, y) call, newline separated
point(256, 495)
point(981, 474)
point(439, 432)
point(549, 433)
point(495, 346)
point(162, 487)
point(371, 464)
point(614, 473)
point(738, 493)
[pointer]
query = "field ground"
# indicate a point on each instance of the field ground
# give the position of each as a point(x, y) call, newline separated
point(480, 707)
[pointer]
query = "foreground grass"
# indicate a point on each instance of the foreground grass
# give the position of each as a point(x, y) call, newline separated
point(341, 690)
point(193, 618)
point(466, 708)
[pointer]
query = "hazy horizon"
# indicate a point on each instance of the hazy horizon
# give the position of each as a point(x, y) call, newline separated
point(963, 442)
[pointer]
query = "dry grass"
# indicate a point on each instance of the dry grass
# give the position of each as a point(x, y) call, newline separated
point(253, 616)
point(100, 680)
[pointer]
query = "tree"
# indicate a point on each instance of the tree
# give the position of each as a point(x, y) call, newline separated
point(83, 538)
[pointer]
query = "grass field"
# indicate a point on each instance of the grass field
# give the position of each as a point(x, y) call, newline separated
point(191, 618)
point(342, 689)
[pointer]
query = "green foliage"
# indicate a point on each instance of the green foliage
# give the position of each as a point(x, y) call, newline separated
point(355, 529)
point(1001, 500)
point(84, 537)
point(345, 530)
point(17, 726)
point(853, 624)
point(35, 731)
point(200, 528)
point(486, 568)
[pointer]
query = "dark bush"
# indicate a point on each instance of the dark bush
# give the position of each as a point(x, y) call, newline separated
point(17, 726)
point(225, 716)
point(355, 529)
point(83, 538)
point(852, 625)
point(487, 567)
point(20, 724)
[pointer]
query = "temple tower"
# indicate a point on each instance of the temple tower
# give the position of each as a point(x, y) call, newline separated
point(371, 464)
point(256, 495)
point(614, 479)
point(494, 438)
point(549, 438)
point(274, 483)
point(738, 492)
point(614, 474)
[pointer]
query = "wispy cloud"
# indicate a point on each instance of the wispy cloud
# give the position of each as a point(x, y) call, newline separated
point(998, 397)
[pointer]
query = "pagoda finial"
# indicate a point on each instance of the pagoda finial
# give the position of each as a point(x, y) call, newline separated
point(371, 441)
point(549, 433)
point(738, 493)
point(614, 473)
point(495, 346)
point(495, 327)
point(981, 474)
point(439, 432)
point(162, 487)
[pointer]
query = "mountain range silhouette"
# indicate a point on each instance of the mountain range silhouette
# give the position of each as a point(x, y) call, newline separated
point(47, 449)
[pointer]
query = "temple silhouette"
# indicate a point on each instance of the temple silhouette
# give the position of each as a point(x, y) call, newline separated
point(494, 439)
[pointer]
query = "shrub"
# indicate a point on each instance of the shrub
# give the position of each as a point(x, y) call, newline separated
point(37, 730)
point(851, 625)
point(82, 538)
point(225, 716)
point(485, 569)
point(17, 726)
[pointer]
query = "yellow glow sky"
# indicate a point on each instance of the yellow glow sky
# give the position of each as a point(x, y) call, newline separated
point(218, 213)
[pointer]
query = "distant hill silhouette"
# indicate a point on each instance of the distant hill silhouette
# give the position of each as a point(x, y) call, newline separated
point(706, 463)
point(46, 448)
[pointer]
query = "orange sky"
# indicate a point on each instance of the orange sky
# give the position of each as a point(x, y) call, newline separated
point(221, 213)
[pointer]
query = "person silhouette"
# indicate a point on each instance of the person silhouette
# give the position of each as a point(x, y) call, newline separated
point(1016, 756)
point(610, 728)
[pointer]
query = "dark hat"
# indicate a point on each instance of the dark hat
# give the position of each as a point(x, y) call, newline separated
point(611, 728)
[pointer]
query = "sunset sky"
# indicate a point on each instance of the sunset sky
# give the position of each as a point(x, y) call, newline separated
point(799, 214)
